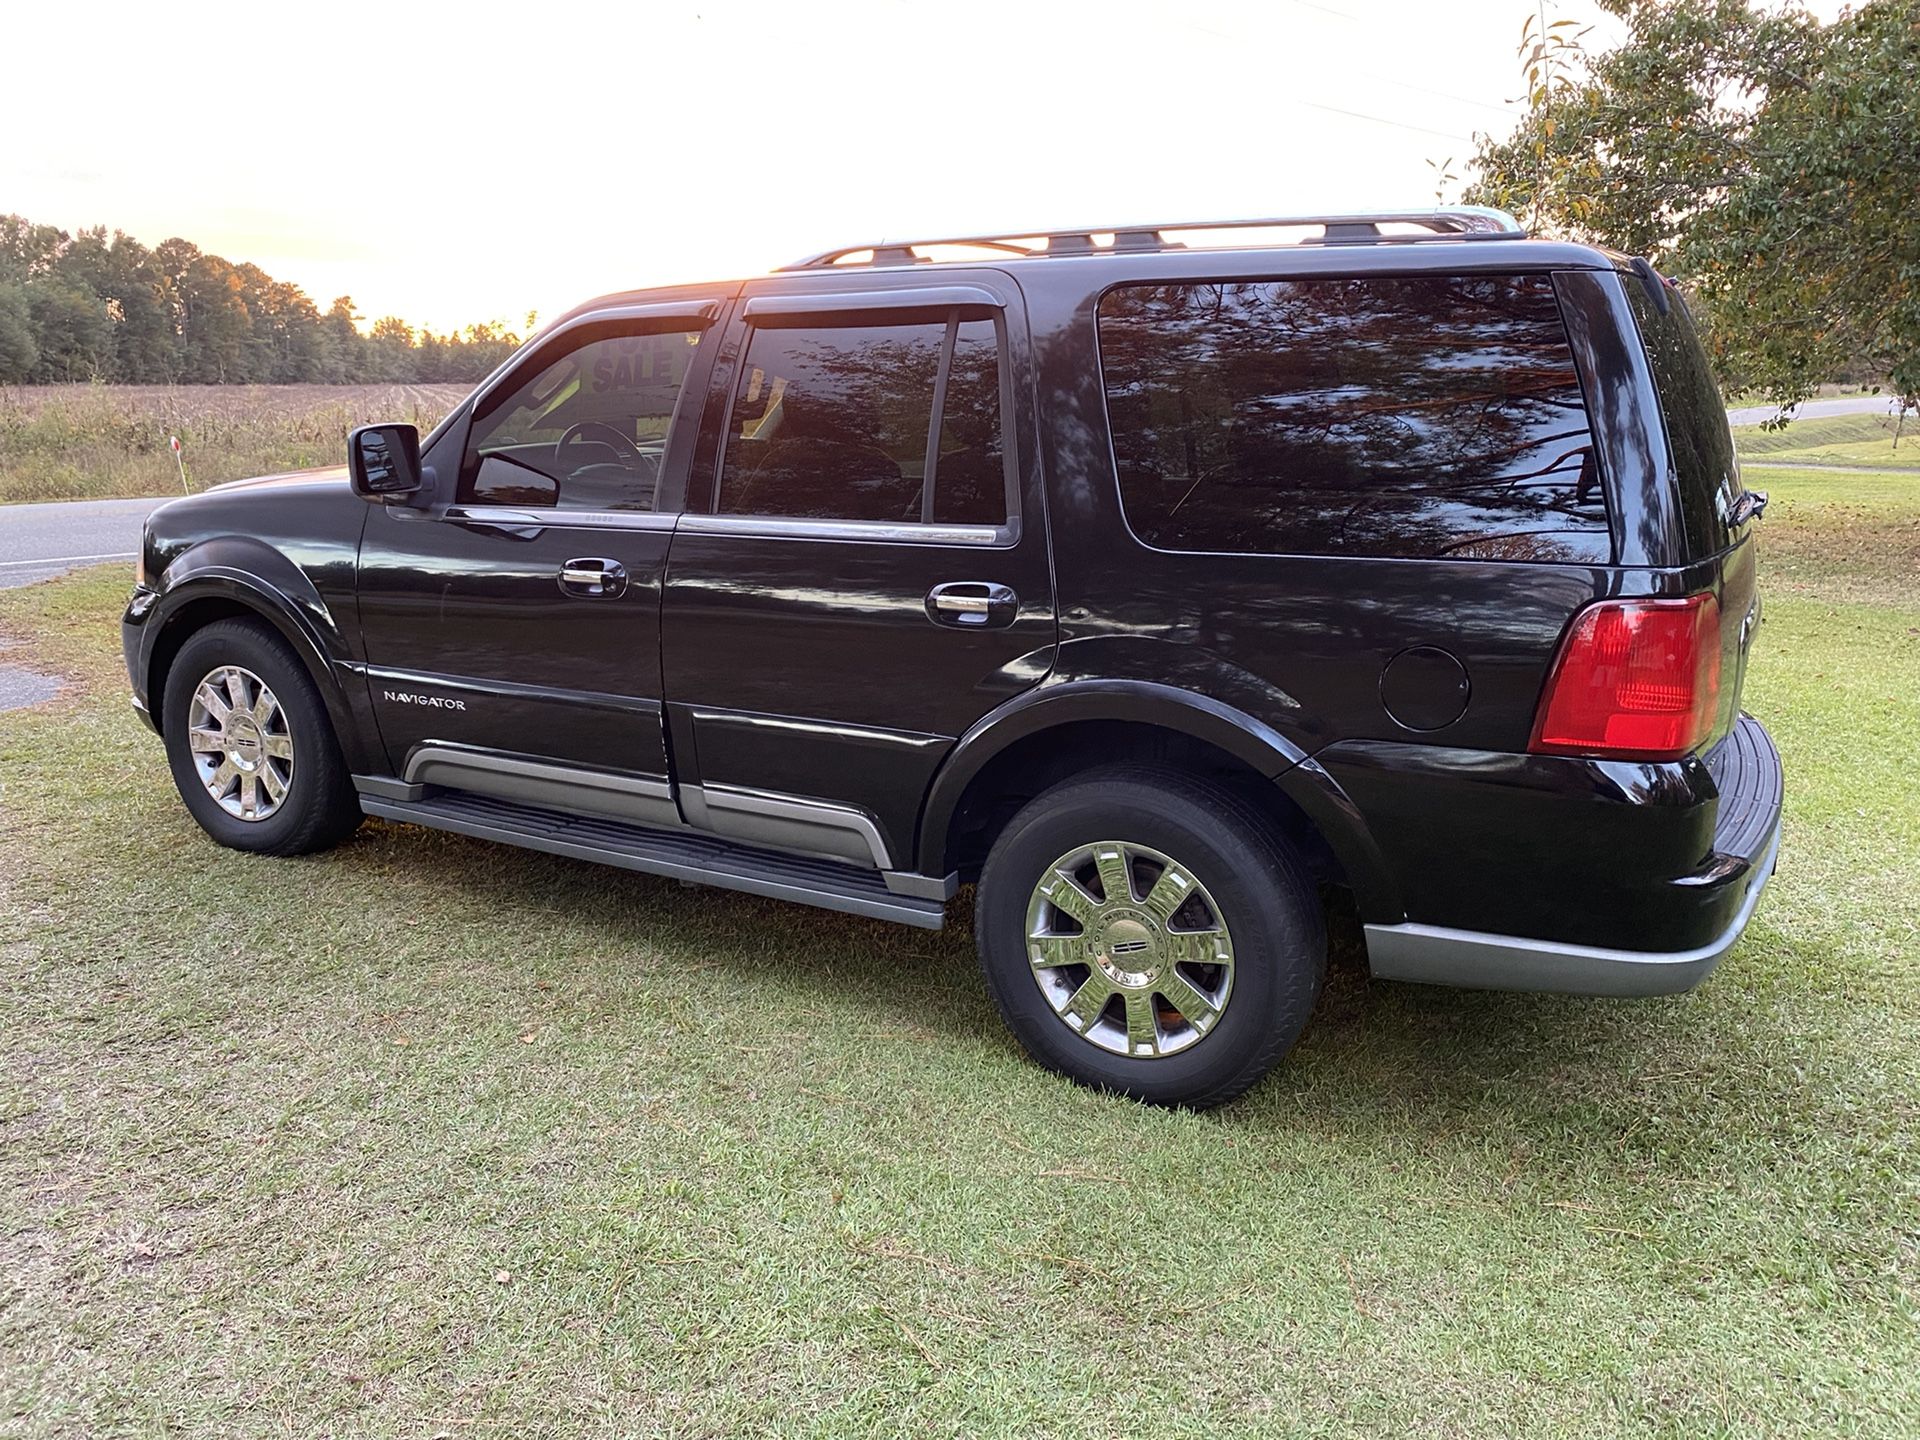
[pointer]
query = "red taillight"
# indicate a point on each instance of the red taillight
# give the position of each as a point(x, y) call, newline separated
point(1635, 678)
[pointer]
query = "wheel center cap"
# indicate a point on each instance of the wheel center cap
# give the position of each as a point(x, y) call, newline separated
point(243, 741)
point(1127, 948)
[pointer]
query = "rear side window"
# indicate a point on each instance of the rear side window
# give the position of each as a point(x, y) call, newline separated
point(899, 423)
point(1408, 417)
point(1694, 414)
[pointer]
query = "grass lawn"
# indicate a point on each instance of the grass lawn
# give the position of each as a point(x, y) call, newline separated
point(432, 1137)
point(1859, 440)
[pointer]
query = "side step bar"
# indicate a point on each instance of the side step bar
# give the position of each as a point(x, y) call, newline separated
point(681, 854)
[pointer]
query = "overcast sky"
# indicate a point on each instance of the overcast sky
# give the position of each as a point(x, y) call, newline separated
point(467, 162)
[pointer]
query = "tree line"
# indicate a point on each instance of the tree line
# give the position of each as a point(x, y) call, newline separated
point(1763, 157)
point(100, 306)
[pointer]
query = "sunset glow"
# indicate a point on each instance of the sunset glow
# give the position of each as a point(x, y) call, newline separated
point(447, 164)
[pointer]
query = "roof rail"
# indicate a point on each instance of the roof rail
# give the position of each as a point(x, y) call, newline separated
point(1447, 222)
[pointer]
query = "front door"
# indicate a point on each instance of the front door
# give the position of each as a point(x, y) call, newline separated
point(862, 571)
point(512, 629)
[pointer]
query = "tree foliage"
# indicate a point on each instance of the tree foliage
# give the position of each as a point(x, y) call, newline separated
point(19, 353)
point(1767, 161)
point(100, 306)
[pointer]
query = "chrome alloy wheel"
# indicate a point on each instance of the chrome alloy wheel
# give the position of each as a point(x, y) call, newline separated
point(1130, 950)
point(241, 748)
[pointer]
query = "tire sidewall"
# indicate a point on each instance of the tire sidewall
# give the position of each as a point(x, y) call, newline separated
point(250, 647)
point(1278, 939)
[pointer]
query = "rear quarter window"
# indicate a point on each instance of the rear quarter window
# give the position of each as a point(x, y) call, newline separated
point(1412, 417)
point(1693, 413)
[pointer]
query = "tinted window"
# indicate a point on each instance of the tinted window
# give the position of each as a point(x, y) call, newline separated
point(1391, 417)
point(587, 431)
point(1693, 412)
point(970, 486)
point(832, 423)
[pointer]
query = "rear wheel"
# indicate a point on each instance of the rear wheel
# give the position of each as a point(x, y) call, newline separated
point(1146, 932)
point(250, 746)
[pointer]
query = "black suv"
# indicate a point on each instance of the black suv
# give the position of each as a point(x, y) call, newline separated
point(1163, 583)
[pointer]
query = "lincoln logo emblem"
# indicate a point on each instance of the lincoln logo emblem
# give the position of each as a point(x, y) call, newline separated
point(1127, 947)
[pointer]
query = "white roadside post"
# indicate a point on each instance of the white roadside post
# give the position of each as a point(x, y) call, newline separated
point(173, 443)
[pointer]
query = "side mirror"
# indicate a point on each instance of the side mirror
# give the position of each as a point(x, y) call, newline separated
point(383, 461)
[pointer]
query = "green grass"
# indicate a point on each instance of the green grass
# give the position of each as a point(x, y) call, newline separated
point(1839, 535)
point(426, 1136)
point(1858, 440)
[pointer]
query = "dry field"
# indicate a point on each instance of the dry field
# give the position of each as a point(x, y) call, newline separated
point(71, 442)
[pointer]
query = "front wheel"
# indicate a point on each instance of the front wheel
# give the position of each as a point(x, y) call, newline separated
point(250, 745)
point(1146, 932)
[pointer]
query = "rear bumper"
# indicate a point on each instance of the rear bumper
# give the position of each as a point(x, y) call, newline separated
point(1435, 955)
point(1666, 931)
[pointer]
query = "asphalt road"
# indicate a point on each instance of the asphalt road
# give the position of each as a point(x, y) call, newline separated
point(38, 542)
point(1815, 409)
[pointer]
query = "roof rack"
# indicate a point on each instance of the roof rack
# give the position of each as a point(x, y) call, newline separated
point(1449, 222)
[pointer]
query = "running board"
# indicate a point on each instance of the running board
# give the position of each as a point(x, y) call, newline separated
point(682, 854)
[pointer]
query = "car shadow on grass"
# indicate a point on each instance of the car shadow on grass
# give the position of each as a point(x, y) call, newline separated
point(1374, 1049)
point(879, 964)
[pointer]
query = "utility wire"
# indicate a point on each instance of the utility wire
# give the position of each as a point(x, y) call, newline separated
point(1507, 109)
point(1382, 120)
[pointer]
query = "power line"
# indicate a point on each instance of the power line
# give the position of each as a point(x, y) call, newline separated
point(1400, 84)
point(1506, 109)
point(1382, 120)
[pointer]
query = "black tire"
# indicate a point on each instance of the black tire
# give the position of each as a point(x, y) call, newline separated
point(320, 808)
point(1254, 880)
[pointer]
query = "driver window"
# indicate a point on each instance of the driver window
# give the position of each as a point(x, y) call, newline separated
point(588, 431)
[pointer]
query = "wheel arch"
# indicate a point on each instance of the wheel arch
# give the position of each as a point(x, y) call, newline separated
point(217, 592)
point(1047, 737)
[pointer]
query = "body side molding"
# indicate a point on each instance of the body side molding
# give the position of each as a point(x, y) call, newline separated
point(681, 853)
point(792, 822)
point(638, 799)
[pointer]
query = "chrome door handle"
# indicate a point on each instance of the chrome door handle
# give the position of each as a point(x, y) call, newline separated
point(962, 604)
point(972, 605)
point(593, 576)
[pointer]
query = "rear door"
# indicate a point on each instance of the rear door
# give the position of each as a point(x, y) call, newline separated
point(861, 573)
